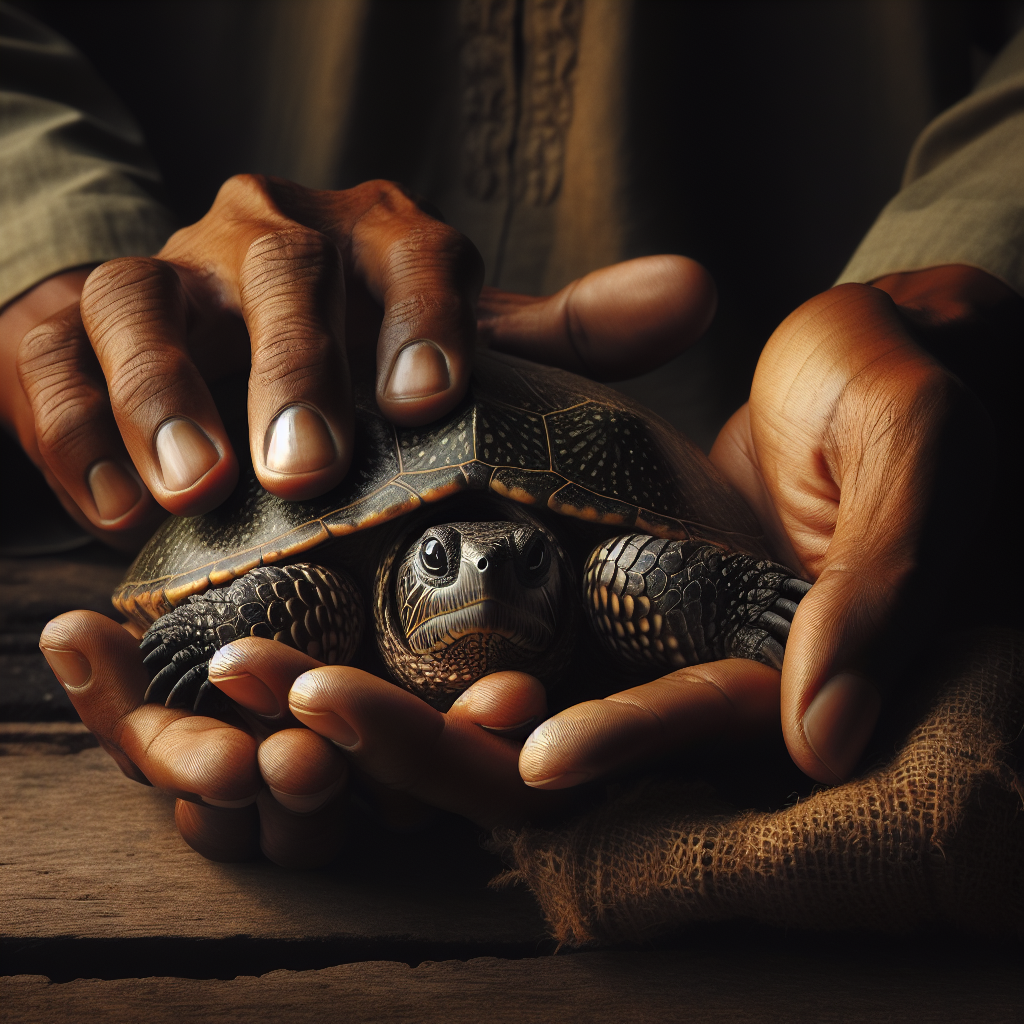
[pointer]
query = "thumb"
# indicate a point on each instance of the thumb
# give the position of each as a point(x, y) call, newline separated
point(614, 323)
point(885, 467)
point(830, 706)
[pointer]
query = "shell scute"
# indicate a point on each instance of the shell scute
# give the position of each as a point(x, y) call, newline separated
point(529, 433)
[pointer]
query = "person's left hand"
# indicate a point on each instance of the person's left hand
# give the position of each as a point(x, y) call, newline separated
point(837, 452)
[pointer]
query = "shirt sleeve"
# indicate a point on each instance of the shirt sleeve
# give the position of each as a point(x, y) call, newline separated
point(76, 183)
point(962, 199)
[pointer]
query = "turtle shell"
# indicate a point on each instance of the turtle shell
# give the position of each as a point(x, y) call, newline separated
point(532, 434)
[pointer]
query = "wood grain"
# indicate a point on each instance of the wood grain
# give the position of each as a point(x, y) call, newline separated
point(612, 987)
point(86, 853)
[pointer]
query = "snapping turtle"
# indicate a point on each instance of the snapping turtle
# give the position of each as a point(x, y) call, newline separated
point(546, 517)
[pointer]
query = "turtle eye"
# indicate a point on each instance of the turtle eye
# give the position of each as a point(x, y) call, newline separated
point(535, 557)
point(433, 557)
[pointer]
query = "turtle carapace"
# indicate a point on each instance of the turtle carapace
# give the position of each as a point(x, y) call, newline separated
point(545, 513)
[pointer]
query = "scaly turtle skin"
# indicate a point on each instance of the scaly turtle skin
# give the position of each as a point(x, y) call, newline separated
point(465, 542)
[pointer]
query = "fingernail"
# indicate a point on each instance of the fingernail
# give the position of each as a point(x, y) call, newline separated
point(328, 724)
point(184, 452)
point(250, 692)
point(305, 803)
point(115, 491)
point(563, 781)
point(231, 805)
point(514, 732)
point(420, 370)
point(298, 441)
point(840, 721)
point(71, 668)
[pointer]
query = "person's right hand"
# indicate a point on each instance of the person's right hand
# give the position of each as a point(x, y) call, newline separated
point(311, 288)
point(117, 405)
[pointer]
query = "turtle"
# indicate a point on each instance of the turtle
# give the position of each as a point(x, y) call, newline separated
point(548, 518)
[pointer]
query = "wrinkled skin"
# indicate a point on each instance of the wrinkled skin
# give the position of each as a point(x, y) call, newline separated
point(836, 451)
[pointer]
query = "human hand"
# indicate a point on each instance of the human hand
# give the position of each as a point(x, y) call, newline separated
point(309, 288)
point(117, 404)
point(849, 422)
point(837, 451)
point(268, 783)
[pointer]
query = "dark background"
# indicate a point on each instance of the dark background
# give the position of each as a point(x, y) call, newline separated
point(797, 120)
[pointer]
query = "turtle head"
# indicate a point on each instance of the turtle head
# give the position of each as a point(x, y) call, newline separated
point(459, 579)
point(474, 598)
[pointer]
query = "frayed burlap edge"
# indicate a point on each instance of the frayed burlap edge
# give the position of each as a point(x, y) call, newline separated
point(935, 836)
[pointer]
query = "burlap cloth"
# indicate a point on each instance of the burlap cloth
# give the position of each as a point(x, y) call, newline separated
point(934, 836)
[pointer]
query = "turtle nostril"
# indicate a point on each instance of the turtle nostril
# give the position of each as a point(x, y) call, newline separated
point(482, 564)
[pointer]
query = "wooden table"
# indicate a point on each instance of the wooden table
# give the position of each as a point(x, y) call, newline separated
point(105, 915)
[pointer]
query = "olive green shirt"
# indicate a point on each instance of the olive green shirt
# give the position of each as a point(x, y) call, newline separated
point(533, 162)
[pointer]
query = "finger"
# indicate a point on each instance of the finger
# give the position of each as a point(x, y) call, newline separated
point(301, 841)
point(403, 743)
point(303, 770)
point(509, 704)
point(829, 708)
point(643, 724)
point(301, 815)
point(427, 277)
point(292, 292)
point(285, 278)
point(74, 433)
point(258, 674)
point(613, 323)
point(99, 665)
point(135, 312)
point(230, 836)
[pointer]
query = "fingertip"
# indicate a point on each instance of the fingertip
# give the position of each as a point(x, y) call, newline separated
point(195, 466)
point(305, 452)
point(424, 381)
point(553, 749)
point(632, 317)
point(304, 771)
point(506, 703)
point(258, 673)
point(564, 781)
point(837, 726)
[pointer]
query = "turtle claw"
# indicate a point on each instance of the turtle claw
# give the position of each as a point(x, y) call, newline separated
point(314, 609)
point(209, 700)
point(772, 653)
point(775, 625)
point(794, 587)
point(148, 643)
point(185, 692)
point(777, 620)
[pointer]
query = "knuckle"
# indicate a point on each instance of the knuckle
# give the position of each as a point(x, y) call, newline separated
point(243, 192)
point(293, 355)
point(65, 419)
point(126, 293)
point(47, 347)
point(286, 257)
point(380, 192)
point(432, 253)
point(144, 384)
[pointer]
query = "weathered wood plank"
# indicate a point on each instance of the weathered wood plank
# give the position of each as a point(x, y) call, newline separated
point(688, 986)
point(88, 854)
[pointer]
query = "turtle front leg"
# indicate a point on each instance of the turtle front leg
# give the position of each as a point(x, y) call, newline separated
point(667, 603)
point(315, 610)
